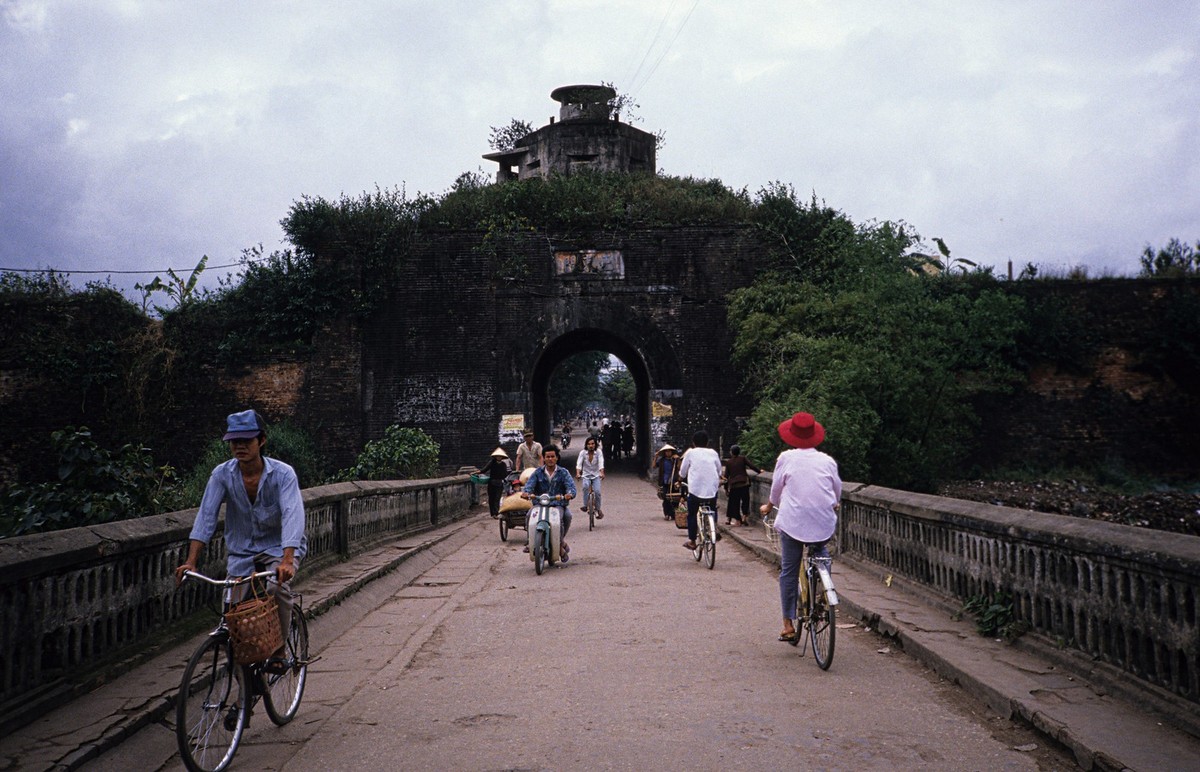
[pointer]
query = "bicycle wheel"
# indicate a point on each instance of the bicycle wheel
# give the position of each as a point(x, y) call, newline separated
point(283, 691)
point(503, 527)
point(822, 629)
point(591, 511)
point(710, 539)
point(209, 693)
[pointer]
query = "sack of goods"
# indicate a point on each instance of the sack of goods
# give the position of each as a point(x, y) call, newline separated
point(254, 629)
point(515, 503)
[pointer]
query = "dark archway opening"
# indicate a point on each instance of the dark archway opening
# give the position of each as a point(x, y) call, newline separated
point(577, 342)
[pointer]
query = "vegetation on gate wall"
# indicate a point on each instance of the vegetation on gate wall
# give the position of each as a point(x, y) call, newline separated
point(893, 346)
point(846, 325)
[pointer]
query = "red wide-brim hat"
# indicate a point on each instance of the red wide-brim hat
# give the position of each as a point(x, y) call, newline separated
point(802, 431)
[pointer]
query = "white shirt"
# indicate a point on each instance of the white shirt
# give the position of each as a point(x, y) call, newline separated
point(702, 469)
point(592, 466)
point(805, 487)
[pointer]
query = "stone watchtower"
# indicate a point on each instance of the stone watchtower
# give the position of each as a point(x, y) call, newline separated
point(588, 135)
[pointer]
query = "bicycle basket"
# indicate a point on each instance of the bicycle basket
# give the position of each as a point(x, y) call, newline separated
point(254, 629)
point(769, 524)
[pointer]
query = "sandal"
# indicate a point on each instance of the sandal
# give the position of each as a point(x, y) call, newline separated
point(791, 638)
point(689, 545)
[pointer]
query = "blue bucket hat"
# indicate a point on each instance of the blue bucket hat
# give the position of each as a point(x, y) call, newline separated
point(245, 425)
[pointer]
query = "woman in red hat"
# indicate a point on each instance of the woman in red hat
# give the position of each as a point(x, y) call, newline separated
point(806, 489)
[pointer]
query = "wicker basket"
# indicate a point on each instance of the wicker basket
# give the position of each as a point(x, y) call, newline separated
point(254, 629)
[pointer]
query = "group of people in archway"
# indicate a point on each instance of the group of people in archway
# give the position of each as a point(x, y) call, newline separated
point(615, 438)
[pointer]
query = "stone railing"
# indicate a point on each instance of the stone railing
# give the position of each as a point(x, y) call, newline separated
point(1123, 596)
point(72, 600)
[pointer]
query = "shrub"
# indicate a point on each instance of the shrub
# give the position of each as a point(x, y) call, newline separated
point(402, 453)
point(94, 486)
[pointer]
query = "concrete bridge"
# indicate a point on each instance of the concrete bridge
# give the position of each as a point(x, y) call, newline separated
point(432, 631)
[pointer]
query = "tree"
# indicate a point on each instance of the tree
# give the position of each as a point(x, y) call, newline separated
point(889, 361)
point(504, 138)
point(1175, 259)
point(576, 382)
point(619, 391)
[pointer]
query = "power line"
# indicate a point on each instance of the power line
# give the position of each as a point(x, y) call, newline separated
point(662, 23)
point(164, 270)
point(667, 49)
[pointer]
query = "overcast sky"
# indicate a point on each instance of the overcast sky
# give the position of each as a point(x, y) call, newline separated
point(141, 134)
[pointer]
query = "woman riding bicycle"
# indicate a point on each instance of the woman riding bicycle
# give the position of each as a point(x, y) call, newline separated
point(807, 490)
point(589, 467)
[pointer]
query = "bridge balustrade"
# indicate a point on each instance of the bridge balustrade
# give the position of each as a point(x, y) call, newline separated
point(1123, 596)
point(76, 602)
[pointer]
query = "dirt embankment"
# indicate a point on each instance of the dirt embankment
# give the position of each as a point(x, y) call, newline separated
point(1175, 511)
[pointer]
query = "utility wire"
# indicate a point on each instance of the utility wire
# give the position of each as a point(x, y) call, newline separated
point(662, 23)
point(63, 271)
point(667, 49)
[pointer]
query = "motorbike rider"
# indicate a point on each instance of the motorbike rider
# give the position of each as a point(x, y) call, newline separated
point(557, 481)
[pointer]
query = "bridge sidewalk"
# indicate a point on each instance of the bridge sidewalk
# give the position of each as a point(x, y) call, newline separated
point(84, 728)
point(1103, 731)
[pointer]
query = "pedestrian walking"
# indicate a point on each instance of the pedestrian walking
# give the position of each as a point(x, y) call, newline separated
point(665, 472)
point(496, 469)
point(737, 486)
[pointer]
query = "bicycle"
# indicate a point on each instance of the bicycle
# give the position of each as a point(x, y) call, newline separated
point(816, 602)
point(706, 534)
point(590, 497)
point(217, 695)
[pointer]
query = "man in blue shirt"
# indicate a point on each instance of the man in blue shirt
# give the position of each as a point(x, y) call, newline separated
point(557, 481)
point(264, 513)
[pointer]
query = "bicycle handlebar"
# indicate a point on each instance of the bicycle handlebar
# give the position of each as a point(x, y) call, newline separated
point(228, 581)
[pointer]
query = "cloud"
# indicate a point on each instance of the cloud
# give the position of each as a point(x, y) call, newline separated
point(144, 134)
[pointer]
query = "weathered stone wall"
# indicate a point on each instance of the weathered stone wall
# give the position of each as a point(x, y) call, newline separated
point(72, 599)
point(1114, 378)
point(458, 342)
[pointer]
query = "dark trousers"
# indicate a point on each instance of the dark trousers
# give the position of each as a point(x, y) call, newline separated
point(668, 504)
point(739, 503)
point(495, 489)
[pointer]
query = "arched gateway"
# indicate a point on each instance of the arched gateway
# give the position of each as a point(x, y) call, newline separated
point(467, 336)
point(473, 324)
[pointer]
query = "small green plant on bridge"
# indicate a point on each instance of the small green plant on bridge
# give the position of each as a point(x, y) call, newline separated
point(995, 616)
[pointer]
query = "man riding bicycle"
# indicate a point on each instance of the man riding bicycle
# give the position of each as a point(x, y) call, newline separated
point(264, 514)
point(589, 468)
point(701, 467)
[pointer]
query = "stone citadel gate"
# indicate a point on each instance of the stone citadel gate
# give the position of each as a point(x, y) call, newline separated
point(467, 336)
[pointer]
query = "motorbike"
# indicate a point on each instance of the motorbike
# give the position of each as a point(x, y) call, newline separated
point(545, 530)
point(566, 439)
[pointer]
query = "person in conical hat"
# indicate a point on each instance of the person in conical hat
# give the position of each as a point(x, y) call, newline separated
point(496, 469)
point(807, 490)
point(665, 473)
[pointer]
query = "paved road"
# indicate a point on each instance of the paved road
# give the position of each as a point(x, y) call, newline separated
point(631, 656)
